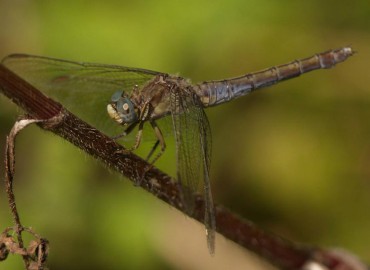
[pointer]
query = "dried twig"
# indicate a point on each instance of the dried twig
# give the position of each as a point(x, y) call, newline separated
point(34, 256)
point(8, 243)
point(283, 253)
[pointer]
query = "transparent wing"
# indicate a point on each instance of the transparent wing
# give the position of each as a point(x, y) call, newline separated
point(193, 145)
point(83, 88)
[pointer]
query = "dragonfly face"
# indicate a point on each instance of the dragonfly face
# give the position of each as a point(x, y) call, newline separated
point(121, 109)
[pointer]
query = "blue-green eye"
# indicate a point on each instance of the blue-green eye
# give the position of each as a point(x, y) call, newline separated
point(116, 96)
point(121, 109)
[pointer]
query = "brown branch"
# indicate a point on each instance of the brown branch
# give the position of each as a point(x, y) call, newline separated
point(280, 252)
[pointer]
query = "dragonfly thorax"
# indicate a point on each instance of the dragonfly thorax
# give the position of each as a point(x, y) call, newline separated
point(121, 109)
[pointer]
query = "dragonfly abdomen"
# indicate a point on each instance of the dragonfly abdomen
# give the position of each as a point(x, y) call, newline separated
point(217, 92)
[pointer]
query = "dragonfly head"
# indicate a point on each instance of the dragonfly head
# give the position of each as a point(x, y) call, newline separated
point(121, 109)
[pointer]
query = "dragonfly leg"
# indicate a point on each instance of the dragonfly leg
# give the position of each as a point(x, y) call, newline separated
point(139, 135)
point(160, 141)
point(125, 132)
point(152, 150)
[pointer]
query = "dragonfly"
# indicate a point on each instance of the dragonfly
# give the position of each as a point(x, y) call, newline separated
point(133, 97)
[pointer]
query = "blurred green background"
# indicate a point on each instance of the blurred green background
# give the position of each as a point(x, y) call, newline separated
point(295, 158)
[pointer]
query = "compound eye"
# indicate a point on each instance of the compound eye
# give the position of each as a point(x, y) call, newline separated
point(121, 109)
point(126, 110)
point(116, 96)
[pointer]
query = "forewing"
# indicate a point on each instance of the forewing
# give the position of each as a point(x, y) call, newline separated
point(193, 146)
point(83, 88)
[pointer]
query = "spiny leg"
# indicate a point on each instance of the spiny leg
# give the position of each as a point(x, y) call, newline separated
point(143, 114)
point(160, 141)
point(137, 140)
point(152, 150)
point(126, 132)
point(138, 137)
